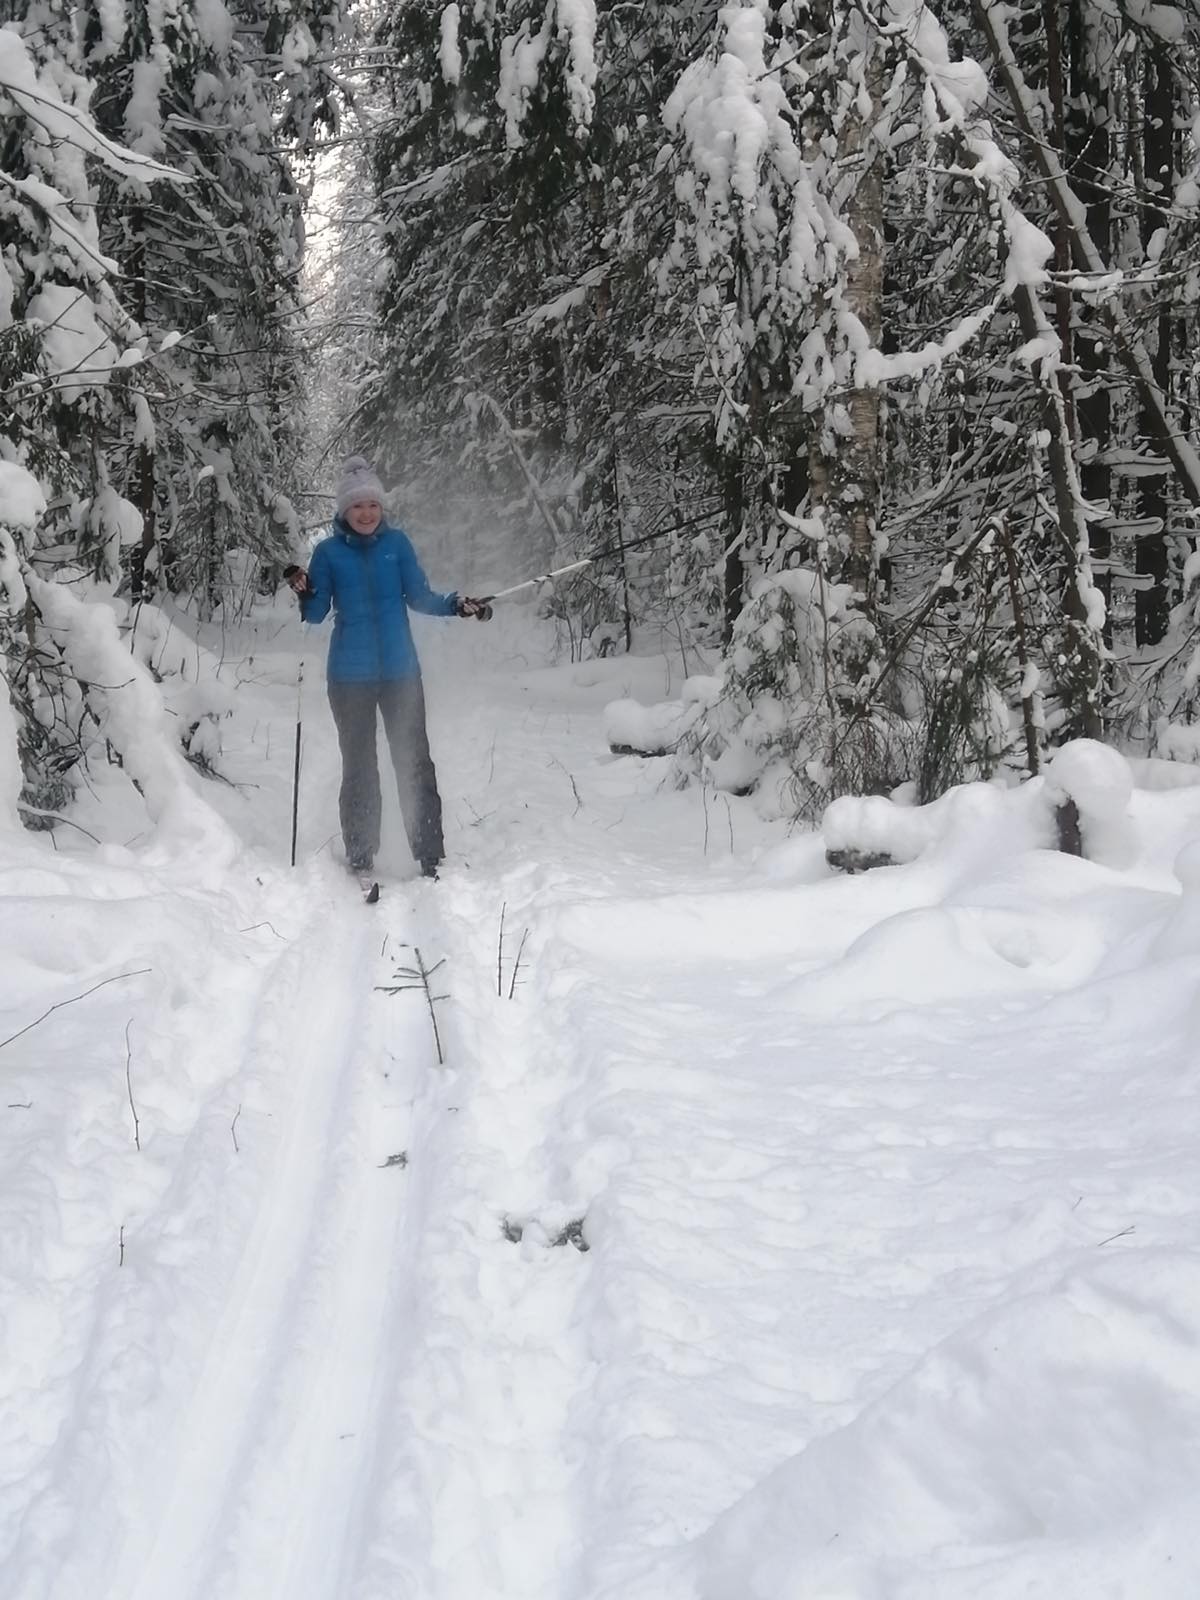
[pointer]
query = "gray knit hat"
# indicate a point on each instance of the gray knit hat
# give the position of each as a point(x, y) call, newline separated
point(359, 481)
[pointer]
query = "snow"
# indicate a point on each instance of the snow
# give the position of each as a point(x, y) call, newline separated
point(576, 22)
point(78, 351)
point(449, 51)
point(143, 110)
point(648, 730)
point(41, 102)
point(521, 57)
point(886, 1181)
point(22, 502)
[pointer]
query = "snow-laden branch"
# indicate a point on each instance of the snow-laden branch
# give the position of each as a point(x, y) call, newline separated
point(522, 54)
point(133, 718)
point(41, 102)
point(64, 231)
point(1072, 213)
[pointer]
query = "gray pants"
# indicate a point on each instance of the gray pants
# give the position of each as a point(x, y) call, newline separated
point(356, 707)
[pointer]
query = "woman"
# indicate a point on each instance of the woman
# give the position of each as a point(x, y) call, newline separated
point(368, 573)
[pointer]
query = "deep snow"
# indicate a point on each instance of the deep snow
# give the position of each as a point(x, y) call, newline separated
point(887, 1183)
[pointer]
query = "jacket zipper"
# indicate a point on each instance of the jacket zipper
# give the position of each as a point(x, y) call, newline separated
point(369, 550)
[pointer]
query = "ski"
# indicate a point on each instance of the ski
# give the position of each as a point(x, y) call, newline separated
point(370, 889)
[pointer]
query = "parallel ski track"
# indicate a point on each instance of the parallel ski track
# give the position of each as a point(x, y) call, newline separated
point(279, 1441)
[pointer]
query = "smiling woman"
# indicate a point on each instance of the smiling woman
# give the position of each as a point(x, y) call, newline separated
point(368, 573)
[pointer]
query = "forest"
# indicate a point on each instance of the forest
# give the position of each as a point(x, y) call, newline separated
point(855, 340)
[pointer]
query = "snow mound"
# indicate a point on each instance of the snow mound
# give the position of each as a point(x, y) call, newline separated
point(1009, 820)
point(1099, 780)
point(937, 954)
point(1048, 1451)
point(647, 730)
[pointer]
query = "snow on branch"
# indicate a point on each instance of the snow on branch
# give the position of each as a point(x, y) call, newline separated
point(522, 54)
point(955, 95)
point(42, 104)
point(132, 716)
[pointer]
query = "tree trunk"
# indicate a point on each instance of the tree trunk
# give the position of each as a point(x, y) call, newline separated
point(851, 477)
point(1087, 152)
point(733, 574)
point(1168, 435)
point(1152, 603)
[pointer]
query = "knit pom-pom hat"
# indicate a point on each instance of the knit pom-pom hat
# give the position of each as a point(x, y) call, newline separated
point(359, 481)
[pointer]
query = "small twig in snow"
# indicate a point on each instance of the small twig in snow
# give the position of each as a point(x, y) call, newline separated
point(517, 964)
point(254, 927)
point(121, 1245)
point(137, 1132)
point(555, 762)
point(59, 1004)
point(500, 953)
point(1123, 1234)
point(417, 977)
point(237, 1149)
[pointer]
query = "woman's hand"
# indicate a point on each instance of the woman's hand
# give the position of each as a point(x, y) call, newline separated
point(298, 580)
point(479, 609)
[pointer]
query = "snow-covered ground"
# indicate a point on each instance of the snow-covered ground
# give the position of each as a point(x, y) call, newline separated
point(766, 1235)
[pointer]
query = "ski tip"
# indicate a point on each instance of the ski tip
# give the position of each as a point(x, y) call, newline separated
point(371, 893)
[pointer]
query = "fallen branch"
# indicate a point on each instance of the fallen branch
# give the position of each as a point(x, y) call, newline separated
point(59, 1004)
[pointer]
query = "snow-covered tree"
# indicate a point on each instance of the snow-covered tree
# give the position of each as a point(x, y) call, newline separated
point(212, 267)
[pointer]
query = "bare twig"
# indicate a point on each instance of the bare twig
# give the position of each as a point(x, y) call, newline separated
point(555, 762)
point(417, 977)
point(1123, 1234)
point(517, 964)
point(59, 1004)
point(254, 927)
point(233, 1131)
point(500, 953)
point(121, 1245)
point(55, 816)
point(137, 1133)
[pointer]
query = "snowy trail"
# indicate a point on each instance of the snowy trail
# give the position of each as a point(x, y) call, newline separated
point(276, 1446)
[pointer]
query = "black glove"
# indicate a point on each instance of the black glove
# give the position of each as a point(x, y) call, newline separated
point(479, 609)
point(298, 580)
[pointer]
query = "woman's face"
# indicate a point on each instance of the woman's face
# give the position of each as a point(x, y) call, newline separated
point(364, 516)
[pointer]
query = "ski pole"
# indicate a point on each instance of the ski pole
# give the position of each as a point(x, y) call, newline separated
point(589, 561)
point(296, 763)
point(535, 583)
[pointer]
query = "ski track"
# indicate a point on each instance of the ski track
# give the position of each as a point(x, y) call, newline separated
point(276, 1446)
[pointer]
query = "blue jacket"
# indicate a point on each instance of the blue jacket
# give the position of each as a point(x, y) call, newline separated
point(370, 581)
